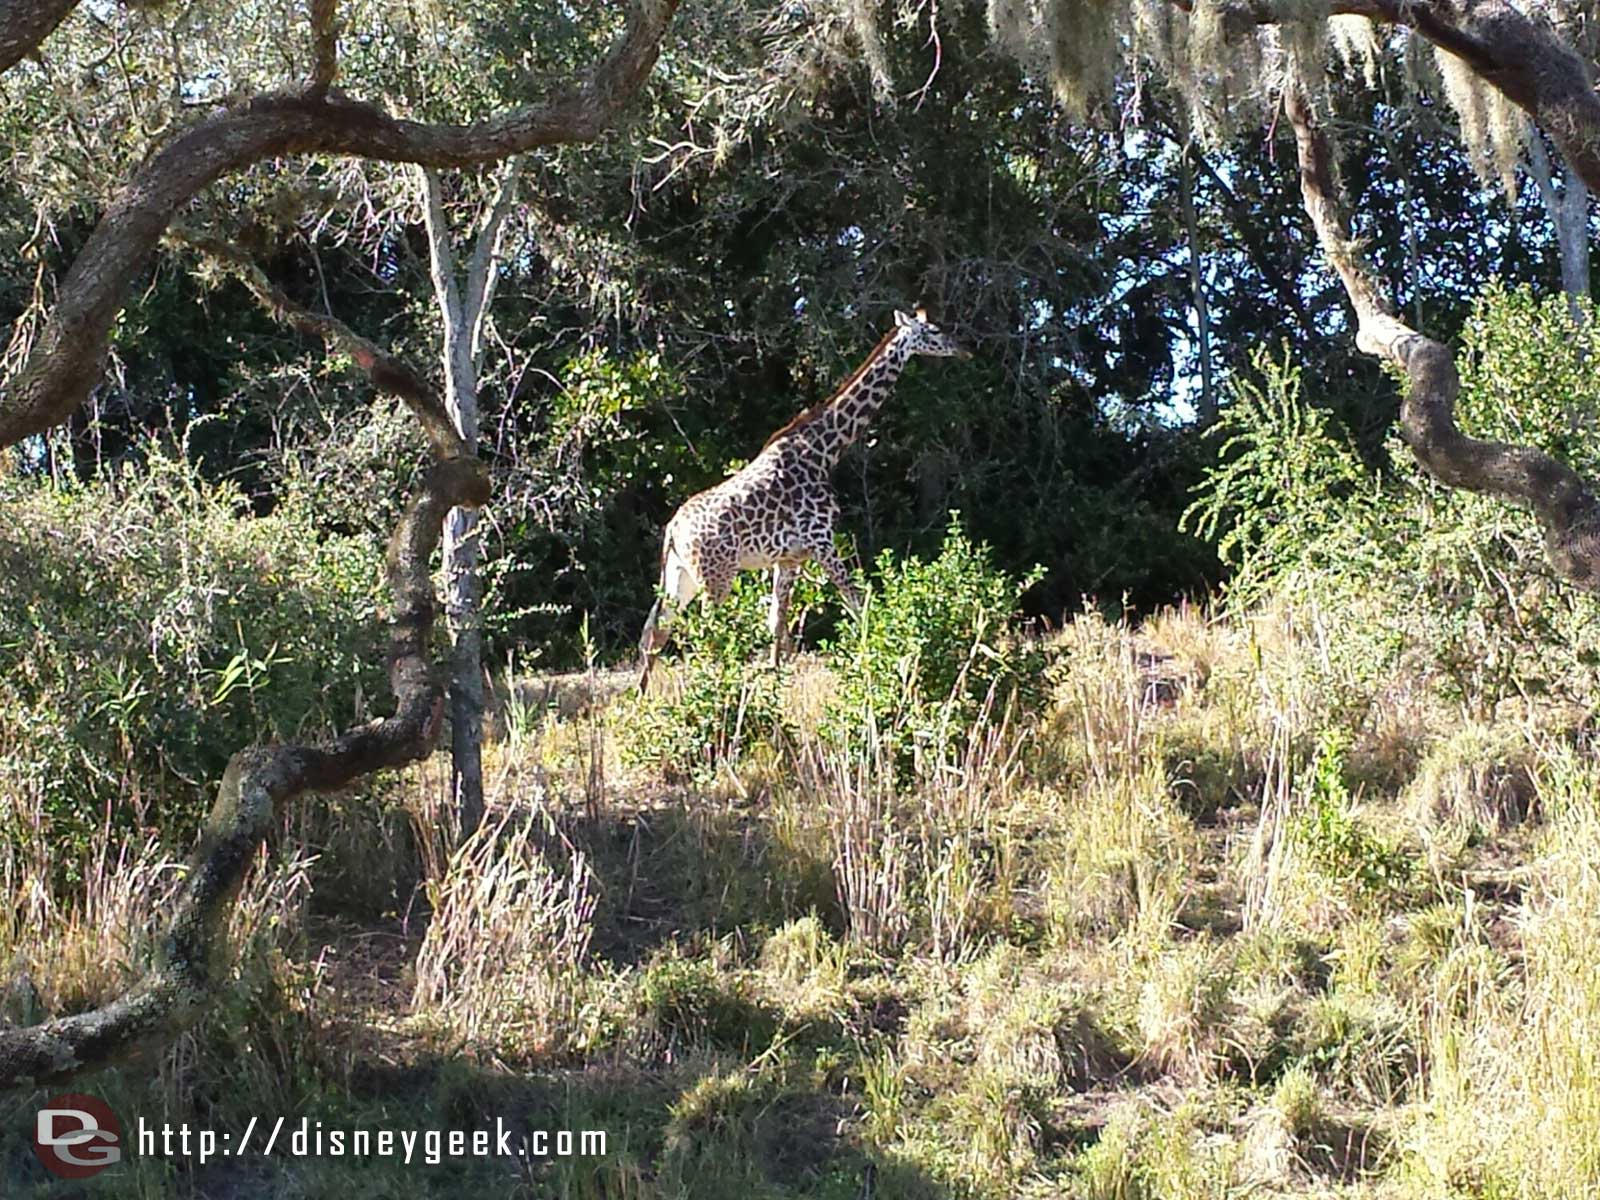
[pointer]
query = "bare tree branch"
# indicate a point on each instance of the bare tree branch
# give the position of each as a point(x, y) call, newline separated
point(1562, 500)
point(191, 960)
point(482, 269)
point(66, 359)
point(26, 23)
point(442, 271)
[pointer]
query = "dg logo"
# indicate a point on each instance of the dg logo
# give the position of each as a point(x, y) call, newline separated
point(77, 1136)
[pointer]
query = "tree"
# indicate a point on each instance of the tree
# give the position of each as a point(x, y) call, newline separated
point(464, 308)
point(1568, 210)
point(66, 357)
point(1494, 58)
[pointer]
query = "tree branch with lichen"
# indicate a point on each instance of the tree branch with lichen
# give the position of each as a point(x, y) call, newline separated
point(24, 24)
point(325, 45)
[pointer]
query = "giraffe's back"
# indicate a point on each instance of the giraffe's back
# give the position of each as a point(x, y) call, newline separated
point(763, 514)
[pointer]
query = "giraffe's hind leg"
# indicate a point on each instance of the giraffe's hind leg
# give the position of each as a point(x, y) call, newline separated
point(827, 554)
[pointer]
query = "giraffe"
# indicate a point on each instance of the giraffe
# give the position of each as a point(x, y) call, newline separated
point(778, 512)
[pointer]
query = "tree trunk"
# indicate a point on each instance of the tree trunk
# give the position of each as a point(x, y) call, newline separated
point(1568, 211)
point(463, 607)
point(463, 313)
point(1202, 311)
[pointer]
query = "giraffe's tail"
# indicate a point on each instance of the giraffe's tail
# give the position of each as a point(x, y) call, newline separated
point(648, 646)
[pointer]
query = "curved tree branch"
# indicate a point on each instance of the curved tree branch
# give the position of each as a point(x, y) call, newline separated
point(26, 23)
point(1521, 55)
point(66, 359)
point(388, 373)
point(1560, 498)
point(191, 959)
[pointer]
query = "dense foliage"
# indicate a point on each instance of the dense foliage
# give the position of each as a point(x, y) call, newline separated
point(1455, 579)
point(937, 645)
point(1024, 881)
point(665, 304)
point(149, 626)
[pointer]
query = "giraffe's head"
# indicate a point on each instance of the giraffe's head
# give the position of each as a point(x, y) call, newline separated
point(922, 336)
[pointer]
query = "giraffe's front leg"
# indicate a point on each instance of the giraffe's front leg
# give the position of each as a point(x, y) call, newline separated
point(783, 578)
point(826, 553)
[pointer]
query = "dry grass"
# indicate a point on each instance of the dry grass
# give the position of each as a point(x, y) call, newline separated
point(1138, 944)
point(512, 915)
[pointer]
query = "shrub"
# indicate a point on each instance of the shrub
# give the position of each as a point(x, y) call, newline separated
point(1289, 504)
point(1337, 841)
point(688, 1002)
point(934, 646)
point(721, 701)
point(150, 626)
point(1456, 577)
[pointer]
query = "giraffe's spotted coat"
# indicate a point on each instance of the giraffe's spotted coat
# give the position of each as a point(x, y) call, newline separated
point(779, 511)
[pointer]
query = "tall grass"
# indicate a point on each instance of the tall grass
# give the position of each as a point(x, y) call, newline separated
point(1228, 915)
point(512, 912)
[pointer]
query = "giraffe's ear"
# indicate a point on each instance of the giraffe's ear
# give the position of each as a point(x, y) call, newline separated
point(901, 320)
point(922, 314)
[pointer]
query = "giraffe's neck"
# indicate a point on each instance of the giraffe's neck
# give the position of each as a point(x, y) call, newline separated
point(850, 412)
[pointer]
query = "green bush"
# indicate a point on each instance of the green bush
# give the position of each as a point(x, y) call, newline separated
point(936, 642)
point(1290, 504)
point(1338, 842)
point(685, 1001)
point(1456, 579)
point(150, 626)
point(724, 698)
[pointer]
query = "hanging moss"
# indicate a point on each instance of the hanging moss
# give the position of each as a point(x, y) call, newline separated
point(1085, 47)
point(865, 26)
point(1217, 71)
point(1355, 42)
point(1303, 37)
point(1493, 129)
point(1012, 24)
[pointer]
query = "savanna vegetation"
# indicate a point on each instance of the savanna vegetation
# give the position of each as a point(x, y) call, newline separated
point(1204, 801)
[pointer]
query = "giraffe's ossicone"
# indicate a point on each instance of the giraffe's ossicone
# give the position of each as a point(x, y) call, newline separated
point(779, 511)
